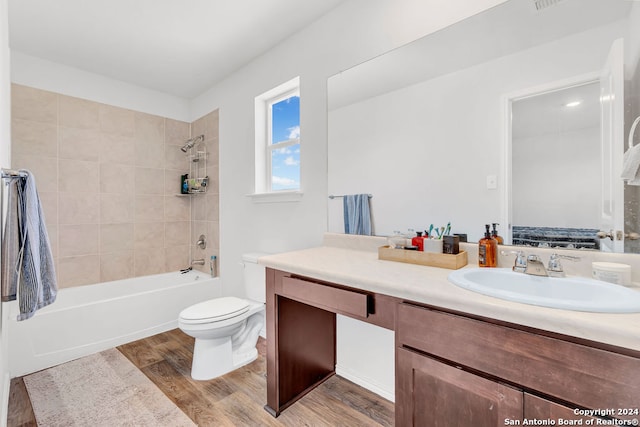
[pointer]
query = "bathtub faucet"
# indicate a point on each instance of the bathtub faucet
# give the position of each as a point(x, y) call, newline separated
point(197, 262)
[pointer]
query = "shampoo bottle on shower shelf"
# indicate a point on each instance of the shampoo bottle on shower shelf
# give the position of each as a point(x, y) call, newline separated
point(184, 184)
point(487, 250)
point(494, 233)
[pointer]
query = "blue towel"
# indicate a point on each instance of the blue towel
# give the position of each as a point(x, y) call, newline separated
point(31, 259)
point(357, 215)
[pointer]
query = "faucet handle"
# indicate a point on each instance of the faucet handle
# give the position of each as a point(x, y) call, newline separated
point(520, 263)
point(555, 267)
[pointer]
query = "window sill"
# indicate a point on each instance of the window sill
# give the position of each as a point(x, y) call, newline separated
point(276, 197)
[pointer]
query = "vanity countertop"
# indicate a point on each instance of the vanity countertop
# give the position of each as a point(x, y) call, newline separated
point(357, 265)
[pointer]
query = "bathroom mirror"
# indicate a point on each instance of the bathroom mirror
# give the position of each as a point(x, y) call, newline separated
point(426, 129)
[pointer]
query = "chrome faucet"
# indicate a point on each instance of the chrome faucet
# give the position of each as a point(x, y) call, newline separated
point(535, 266)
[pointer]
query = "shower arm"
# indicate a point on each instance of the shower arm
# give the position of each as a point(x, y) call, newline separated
point(191, 142)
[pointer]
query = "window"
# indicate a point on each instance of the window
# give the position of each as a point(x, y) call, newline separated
point(278, 139)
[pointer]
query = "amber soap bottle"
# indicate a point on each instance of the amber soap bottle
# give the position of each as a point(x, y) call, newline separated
point(495, 234)
point(487, 250)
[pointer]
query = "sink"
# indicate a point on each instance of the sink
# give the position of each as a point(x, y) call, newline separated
point(568, 293)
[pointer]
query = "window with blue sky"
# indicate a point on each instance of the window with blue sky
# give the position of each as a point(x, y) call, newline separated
point(284, 143)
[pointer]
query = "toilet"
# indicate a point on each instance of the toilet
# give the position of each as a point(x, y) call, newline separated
point(226, 329)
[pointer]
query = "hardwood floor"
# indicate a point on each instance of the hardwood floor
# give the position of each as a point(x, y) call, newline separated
point(235, 399)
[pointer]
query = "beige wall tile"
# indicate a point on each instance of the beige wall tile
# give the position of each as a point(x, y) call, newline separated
point(78, 176)
point(116, 237)
point(212, 209)
point(213, 233)
point(176, 233)
point(177, 208)
point(116, 266)
point(176, 258)
point(52, 233)
point(206, 125)
point(214, 185)
point(79, 144)
point(74, 240)
point(78, 208)
point(150, 261)
point(116, 208)
point(176, 132)
point(49, 203)
point(149, 181)
point(116, 120)
point(149, 208)
point(78, 270)
point(78, 113)
point(149, 154)
point(44, 169)
point(172, 181)
point(117, 149)
point(117, 178)
point(149, 128)
point(28, 137)
point(149, 235)
point(175, 158)
point(32, 104)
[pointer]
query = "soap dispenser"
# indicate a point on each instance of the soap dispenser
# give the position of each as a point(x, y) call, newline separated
point(487, 250)
point(494, 234)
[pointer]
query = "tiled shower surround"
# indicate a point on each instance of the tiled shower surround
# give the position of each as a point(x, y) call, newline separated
point(109, 182)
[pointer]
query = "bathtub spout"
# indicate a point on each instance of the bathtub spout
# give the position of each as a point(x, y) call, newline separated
point(197, 262)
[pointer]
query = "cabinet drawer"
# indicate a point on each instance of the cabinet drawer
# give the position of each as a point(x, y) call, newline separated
point(326, 297)
point(587, 376)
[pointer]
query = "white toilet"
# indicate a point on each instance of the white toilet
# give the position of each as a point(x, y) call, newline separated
point(226, 329)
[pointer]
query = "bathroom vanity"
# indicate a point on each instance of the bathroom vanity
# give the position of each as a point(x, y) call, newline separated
point(461, 358)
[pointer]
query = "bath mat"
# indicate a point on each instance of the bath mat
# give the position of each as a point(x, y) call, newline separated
point(104, 389)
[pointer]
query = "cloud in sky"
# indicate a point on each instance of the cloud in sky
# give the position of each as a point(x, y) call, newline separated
point(294, 132)
point(290, 161)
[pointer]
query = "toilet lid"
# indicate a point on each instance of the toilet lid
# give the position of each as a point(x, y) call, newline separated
point(215, 310)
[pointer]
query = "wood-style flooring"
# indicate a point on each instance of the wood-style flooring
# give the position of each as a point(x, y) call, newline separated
point(235, 399)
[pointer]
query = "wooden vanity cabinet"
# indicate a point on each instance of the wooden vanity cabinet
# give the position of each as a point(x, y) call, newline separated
point(457, 370)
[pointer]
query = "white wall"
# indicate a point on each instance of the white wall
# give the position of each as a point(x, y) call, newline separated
point(46, 75)
point(425, 151)
point(565, 157)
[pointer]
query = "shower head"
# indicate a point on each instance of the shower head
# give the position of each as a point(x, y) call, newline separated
point(191, 142)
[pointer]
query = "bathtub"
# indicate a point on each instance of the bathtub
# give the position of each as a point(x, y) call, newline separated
point(88, 319)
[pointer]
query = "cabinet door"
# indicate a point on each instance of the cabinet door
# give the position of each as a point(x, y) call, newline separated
point(537, 408)
point(430, 393)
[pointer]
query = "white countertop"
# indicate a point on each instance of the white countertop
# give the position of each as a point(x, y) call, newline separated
point(356, 265)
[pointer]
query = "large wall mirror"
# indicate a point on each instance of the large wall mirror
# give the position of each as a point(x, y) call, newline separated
point(517, 115)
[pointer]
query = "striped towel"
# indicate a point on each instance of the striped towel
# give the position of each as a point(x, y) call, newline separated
point(31, 272)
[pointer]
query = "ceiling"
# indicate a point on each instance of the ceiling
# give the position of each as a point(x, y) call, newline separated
point(177, 47)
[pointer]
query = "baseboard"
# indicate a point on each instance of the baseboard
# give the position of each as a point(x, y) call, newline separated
point(367, 383)
point(6, 384)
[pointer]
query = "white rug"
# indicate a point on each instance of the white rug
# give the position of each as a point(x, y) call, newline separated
point(104, 389)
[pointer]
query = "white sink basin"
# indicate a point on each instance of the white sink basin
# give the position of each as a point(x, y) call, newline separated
point(568, 293)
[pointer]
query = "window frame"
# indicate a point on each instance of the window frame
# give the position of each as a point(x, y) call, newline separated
point(271, 146)
point(264, 147)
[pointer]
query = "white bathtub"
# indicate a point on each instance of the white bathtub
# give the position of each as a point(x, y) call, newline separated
point(92, 318)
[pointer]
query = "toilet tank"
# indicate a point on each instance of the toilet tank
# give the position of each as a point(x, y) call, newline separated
point(254, 277)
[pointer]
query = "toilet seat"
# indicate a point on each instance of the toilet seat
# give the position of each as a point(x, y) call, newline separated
point(214, 310)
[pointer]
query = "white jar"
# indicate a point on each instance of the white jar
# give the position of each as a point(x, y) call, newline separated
point(612, 272)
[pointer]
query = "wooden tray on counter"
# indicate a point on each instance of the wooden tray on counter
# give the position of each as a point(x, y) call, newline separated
point(432, 259)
